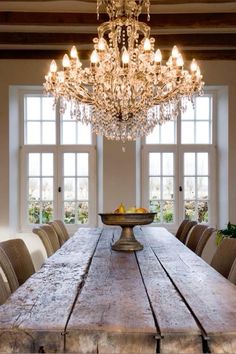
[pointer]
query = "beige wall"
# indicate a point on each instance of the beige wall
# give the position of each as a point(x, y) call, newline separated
point(119, 167)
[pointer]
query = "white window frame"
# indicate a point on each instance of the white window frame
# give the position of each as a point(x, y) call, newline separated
point(179, 149)
point(58, 150)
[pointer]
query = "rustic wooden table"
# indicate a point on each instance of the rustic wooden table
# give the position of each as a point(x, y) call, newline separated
point(89, 299)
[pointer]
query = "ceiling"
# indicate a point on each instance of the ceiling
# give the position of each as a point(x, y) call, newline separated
point(46, 29)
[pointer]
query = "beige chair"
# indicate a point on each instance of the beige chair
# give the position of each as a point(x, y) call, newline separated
point(224, 257)
point(232, 273)
point(61, 231)
point(45, 240)
point(19, 257)
point(52, 235)
point(194, 236)
point(181, 227)
point(8, 270)
point(203, 240)
point(210, 248)
point(186, 230)
point(3, 291)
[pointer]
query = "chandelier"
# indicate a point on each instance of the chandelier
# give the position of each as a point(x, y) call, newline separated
point(127, 89)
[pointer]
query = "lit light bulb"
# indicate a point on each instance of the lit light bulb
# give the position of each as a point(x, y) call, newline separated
point(125, 57)
point(66, 61)
point(147, 45)
point(53, 66)
point(101, 44)
point(74, 53)
point(194, 65)
point(180, 61)
point(158, 56)
point(94, 57)
point(175, 52)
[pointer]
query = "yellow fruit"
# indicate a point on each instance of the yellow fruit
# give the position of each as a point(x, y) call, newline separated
point(141, 210)
point(120, 209)
point(131, 210)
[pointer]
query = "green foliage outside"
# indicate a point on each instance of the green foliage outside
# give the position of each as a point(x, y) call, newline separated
point(229, 232)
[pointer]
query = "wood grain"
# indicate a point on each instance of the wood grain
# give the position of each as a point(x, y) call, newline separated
point(113, 306)
point(211, 297)
point(36, 315)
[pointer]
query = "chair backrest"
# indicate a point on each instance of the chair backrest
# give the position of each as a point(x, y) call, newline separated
point(52, 235)
point(210, 248)
point(181, 227)
point(224, 257)
point(61, 231)
point(186, 229)
point(8, 270)
point(45, 240)
point(194, 236)
point(203, 240)
point(20, 258)
point(232, 273)
point(3, 291)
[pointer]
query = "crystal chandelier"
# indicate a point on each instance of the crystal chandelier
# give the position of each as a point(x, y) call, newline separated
point(127, 89)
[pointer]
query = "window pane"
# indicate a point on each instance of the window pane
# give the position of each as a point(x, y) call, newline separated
point(155, 207)
point(34, 213)
point(47, 212)
point(168, 188)
point(155, 187)
point(34, 189)
point(167, 164)
point(202, 163)
point(154, 164)
point(202, 187)
point(48, 133)
point(202, 108)
point(187, 132)
point(84, 133)
point(202, 133)
point(69, 189)
point(69, 212)
point(82, 188)
point(168, 212)
point(69, 164)
point(82, 213)
point(189, 113)
point(154, 137)
point(34, 164)
point(189, 164)
point(47, 188)
point(69, 132)
point(82, 164)
point(33, 133)
point(47, 164)
point(189, 187)
point(189, 210)
point(168, 132)
point(203, 212)
point(33, 108)
point(48, 111)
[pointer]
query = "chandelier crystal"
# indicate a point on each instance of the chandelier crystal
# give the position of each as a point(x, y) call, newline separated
point(127, 90)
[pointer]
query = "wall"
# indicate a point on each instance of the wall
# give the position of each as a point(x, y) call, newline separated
point(119, 167)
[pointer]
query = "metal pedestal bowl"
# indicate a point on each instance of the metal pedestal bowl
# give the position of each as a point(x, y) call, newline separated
point(127, 240)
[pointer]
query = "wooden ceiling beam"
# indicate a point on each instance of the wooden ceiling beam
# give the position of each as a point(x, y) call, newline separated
point(229, 54)
point(195, 20)
point(223, 40)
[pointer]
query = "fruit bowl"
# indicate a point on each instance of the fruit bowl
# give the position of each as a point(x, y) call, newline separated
point(127, 221)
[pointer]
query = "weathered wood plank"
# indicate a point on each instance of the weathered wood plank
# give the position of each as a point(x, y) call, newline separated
point(36, 314)
point(112, 313)
point(178, 328)
point(211, 297)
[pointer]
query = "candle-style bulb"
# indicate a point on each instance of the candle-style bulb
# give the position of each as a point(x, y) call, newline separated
point(53, 66)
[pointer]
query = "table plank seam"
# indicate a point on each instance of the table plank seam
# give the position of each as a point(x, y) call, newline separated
point(158, 335)
point(204, 334)
point(80, 287)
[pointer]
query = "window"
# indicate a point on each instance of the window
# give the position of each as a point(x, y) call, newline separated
point(58, 170)
point(178, 163)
